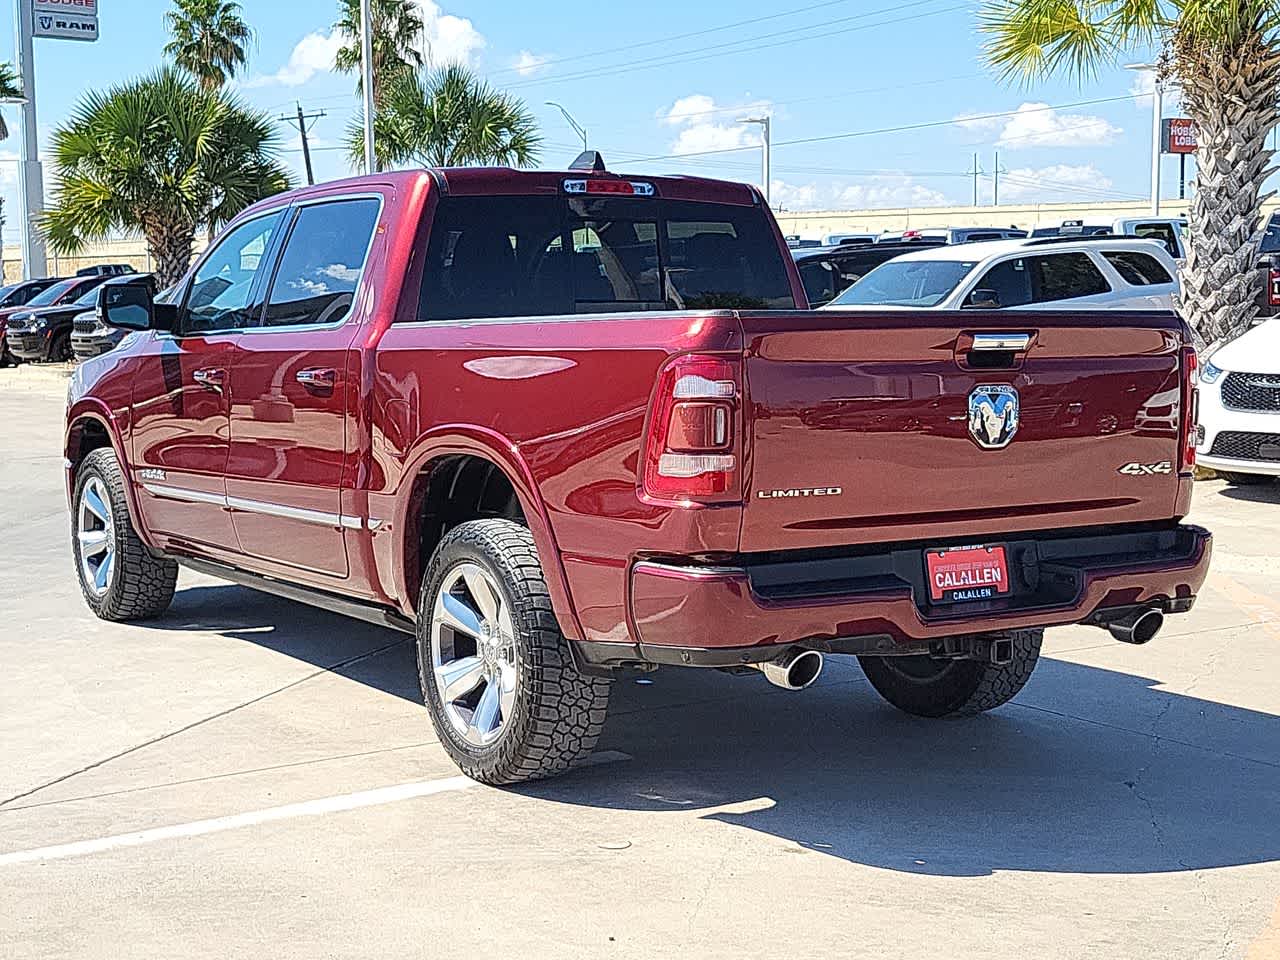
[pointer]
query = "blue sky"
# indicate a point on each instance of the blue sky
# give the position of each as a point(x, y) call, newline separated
point(672, 78)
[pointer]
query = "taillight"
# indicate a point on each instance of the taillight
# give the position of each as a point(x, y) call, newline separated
point(1191, 409)
point(693, 438)
point(1273, 287)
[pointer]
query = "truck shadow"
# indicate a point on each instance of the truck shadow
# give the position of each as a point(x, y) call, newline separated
point(1087, 771)
point(1152, 781)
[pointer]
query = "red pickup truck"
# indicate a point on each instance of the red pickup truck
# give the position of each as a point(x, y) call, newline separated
point(565, 426)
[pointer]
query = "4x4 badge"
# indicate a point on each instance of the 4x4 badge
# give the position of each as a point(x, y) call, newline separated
point(993, 415)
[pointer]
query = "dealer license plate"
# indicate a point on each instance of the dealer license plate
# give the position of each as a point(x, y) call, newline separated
point(958, 574)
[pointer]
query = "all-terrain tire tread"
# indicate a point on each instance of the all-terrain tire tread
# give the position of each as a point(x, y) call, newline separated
point(1000, 683)
point(564, 710)
point(143, 584)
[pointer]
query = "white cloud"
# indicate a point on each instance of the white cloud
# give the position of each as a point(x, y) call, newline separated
point(527, 64)
point(705, 125)
point(1039, 125)
point(313, 54)
point(1056, 182)
point(445, 39)
point(886, 190)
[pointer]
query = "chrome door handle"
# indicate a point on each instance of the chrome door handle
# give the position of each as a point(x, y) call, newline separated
point(210, 378)
point(317, 378)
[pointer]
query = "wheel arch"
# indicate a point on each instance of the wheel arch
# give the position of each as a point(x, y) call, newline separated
point(443, 449)
point(90, 427)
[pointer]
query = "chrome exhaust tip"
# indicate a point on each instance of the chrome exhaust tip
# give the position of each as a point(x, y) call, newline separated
point(1138, 628)
point(794, 670)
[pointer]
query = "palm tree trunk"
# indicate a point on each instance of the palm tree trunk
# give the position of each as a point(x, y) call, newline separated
point(1231, 96)
point(170, 246)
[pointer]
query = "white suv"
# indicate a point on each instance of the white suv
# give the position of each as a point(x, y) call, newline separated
point(1240, 407)
point(1054, 273)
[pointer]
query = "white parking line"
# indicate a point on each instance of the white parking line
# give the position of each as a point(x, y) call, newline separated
point(307, 808)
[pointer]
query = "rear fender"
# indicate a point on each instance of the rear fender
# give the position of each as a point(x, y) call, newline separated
point(488, 445)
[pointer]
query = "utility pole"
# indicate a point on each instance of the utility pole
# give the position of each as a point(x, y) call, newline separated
point(766, 124)
point(304, 127)
point(366, 65)
point(30, 174)
point(977, 172)
point(995, 182)
point(1157, 115)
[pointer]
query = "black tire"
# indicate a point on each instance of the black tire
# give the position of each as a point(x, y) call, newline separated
point(927, 687)
point(558, 713)
point(60, 349)
point(1244, 479)
point(139, 585)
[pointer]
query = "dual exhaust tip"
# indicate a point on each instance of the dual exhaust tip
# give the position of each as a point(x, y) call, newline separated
point(797, 669)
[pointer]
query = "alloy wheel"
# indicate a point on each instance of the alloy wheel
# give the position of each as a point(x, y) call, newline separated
point(473, 654)
point(97, 536)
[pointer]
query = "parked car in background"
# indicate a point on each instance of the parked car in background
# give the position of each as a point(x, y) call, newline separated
point(795, 243)
point(1101, 274)
point(1169, 231)
point(13, 298)
point(1240, 407)
point(567, 427)
point(90, 337)
point(954, 234)
point(826, 272)
point(106, 270)
point(42, 331)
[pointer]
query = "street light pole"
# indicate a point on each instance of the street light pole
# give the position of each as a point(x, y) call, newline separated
point(366, 66)
point(765, 123)
point(1157, 116)
point(30, 174)
point(580, 130)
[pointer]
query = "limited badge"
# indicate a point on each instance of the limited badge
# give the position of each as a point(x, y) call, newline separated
point(993, 415)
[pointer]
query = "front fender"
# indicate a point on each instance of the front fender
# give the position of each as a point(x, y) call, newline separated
point(89, 409)
point(503, 453)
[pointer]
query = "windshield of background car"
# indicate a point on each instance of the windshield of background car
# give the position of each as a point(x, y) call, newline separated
point(1271, 239)
point(52, 295)
point(87, 299)
point(535, 256)
point(907, 283)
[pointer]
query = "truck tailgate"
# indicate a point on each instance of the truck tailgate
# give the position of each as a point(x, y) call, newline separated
point(859, 424)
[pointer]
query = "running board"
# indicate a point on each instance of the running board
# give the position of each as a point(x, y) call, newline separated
point(356, 609)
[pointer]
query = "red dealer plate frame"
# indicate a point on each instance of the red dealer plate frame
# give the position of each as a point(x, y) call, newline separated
point(960, 574)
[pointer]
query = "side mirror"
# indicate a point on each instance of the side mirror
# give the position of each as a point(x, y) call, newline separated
point(130, 305)
point(983, 299)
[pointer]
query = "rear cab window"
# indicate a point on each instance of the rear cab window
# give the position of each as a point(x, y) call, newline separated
point(515, 256)
point(1163, 232)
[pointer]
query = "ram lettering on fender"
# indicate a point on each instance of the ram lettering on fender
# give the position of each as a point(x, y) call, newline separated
point(1146, 469)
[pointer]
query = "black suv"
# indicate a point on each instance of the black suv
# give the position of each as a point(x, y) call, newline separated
point(827, 271)
point(44, 332)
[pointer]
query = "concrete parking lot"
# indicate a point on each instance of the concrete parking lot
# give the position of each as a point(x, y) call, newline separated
point(248, 776)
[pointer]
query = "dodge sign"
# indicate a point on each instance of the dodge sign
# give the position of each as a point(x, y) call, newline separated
point(65, 19)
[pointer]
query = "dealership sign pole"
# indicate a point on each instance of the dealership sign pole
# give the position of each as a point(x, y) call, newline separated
point(60, 20)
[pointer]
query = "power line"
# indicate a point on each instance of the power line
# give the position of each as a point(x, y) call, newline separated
point(697, 56)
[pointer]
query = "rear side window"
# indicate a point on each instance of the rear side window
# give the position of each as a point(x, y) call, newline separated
point(494, 257)
point(1066, 276)
point(1139, 269)
point(322, 263)
point(819, 279)
point(1011, 281)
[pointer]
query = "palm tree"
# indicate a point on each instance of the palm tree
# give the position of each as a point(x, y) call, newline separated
point(162, 155)
point(448, 118)
point(10, 85)
point(1225, 54)
point(209, 38)
point(397, 33)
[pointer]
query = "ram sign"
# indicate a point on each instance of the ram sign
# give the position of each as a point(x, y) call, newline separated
point(65, 19)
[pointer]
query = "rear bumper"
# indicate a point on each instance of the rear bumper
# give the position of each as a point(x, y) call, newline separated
point(874, 602)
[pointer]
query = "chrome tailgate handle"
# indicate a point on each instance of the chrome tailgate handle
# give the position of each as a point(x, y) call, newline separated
point(1016, 342)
